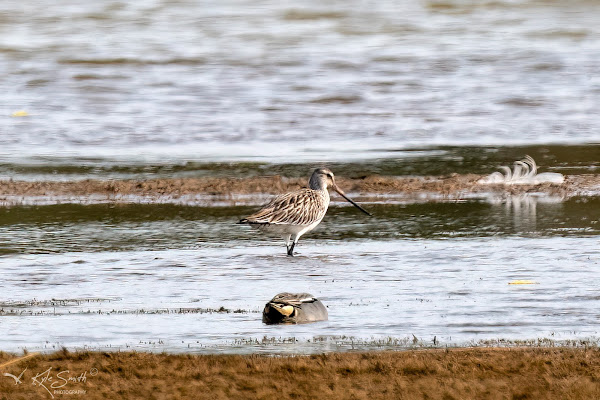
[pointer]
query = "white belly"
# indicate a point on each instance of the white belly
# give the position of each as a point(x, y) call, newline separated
point(288, 229)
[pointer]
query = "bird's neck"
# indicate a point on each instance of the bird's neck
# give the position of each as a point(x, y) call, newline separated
point(315, 183)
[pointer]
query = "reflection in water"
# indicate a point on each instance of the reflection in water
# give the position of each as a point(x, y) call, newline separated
point(128, 227)
point(521, 209)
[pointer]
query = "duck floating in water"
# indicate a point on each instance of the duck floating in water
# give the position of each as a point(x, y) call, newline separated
point(294, 308)
point(524, 173)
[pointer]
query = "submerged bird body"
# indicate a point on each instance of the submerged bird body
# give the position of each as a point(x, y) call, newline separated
point(294, 308)
point(293, 214)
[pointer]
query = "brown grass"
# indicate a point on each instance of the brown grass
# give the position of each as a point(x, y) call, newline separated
point(490, 373)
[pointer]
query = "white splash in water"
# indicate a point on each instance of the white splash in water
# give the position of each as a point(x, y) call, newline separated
point(524, 172)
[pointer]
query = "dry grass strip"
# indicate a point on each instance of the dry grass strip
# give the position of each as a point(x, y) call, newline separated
point(477, 373)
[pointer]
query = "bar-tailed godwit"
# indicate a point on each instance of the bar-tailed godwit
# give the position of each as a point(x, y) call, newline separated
point(293, 214)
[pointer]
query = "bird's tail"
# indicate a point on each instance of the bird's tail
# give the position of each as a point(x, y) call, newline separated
point(252, 223)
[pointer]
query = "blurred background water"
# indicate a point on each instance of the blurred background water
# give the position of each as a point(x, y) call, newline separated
point(152, 83)
point(144, 89)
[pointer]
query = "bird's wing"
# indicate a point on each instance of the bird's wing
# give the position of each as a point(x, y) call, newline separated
point(302, 207)
point(293, 298)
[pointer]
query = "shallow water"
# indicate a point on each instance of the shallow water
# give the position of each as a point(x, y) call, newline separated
point(166, 83)
point(154, 277)
point(440, 160)
point(455, 290)
point(106, 227)
point(147, 89)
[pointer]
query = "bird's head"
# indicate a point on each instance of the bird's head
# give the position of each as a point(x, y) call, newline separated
point(322, 178)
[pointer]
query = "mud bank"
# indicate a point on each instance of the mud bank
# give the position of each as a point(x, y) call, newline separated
point(471, 373)
point(231, 191)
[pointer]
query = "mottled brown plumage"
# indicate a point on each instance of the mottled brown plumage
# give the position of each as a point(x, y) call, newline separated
point(293, 214)
point(302, 207)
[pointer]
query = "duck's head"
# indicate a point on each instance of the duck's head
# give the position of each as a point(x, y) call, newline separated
point(275, 313)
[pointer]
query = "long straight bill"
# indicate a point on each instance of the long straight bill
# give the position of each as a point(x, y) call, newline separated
point(337, 189)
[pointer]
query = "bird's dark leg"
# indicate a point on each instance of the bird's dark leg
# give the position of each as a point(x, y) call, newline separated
point(291, 249)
